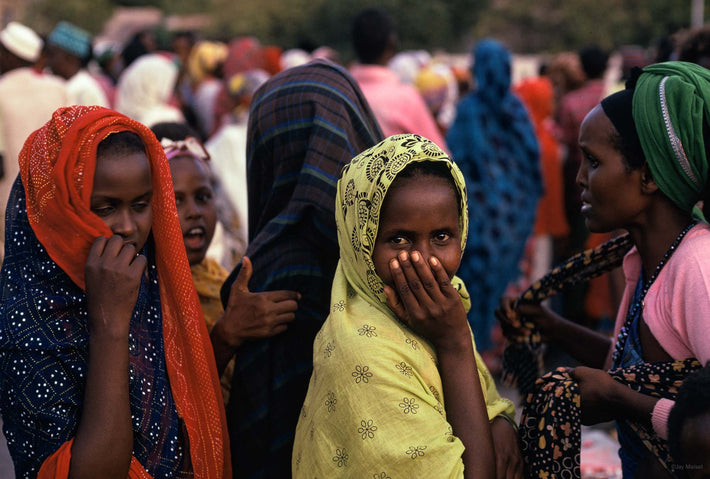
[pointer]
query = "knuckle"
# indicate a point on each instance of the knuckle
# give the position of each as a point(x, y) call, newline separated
point(403, 289)
point(416, 285)
point(429, 284)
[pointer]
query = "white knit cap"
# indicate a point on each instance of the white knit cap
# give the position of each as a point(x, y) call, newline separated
point(22, 41)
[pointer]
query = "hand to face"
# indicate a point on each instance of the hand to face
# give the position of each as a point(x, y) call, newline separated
point(509, 459)
point(256, 315)
point(597, 390)
point(426, 301)
point(113, 275)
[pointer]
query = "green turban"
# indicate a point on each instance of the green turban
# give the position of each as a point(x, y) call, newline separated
point(671, 106)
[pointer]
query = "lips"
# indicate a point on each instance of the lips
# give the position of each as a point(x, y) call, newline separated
point(586, 205)
point(195, 238)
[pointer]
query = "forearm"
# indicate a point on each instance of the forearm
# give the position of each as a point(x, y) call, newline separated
point(466, 410)
point(586, 346)
point(103, 443)
point(223, 349)
point(633, 405)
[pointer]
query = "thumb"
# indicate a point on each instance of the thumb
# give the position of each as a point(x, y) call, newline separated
point(242, 281)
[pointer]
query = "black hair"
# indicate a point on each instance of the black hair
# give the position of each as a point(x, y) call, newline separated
point(436, 169)
point(135, 48)
point(693, 400)
point(123, 142)
point(175, 131)
point(696, 45)
point(371, 32)
point(594, 61)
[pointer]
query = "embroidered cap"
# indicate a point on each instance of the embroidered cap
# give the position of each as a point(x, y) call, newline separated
point(71, 39)
point(21, 41)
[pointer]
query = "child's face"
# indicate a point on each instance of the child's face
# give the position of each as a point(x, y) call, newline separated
point(419, 214)
point(122, 195)
point(195, 204)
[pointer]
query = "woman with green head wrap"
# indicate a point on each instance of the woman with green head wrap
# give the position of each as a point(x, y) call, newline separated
point(644, 170)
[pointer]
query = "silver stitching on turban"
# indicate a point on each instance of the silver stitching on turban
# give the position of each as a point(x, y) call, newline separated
point(673, 137)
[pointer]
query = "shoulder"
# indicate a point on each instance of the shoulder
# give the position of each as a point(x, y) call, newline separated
point(693, 253)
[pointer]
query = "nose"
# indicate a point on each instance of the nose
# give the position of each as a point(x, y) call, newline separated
point(424, 248)
point(192, 209)
point(125, 224)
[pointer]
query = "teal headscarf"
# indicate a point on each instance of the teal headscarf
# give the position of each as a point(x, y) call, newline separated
point(671, 106)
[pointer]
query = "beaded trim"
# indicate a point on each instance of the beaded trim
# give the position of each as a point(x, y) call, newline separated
point(633, 310)
point(676, 144)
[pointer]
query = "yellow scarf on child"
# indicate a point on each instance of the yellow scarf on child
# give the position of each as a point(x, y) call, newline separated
point(375, 405)
point(208, 277)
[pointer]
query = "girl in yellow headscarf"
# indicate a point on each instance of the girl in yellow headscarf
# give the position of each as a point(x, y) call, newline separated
point(397, 388)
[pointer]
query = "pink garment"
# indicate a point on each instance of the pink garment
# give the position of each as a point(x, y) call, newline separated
point(399, 108)
point(676, 307)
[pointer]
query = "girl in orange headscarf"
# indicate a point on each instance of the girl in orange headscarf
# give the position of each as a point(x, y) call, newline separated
point(105, 360)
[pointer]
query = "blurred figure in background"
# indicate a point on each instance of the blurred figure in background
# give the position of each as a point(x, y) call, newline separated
point(437, 85)
point(694, 46)
point(566, 74)
point(141, 43)
point(27, 99)
point(228, 149)
point(587, 302)
point(145, 91)
point(69, 53)
point(399, 108)
point(550, 222)
point(204, 67)
point(494, 144)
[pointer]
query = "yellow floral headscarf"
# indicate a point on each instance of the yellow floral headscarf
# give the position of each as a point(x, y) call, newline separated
point(361, 191)
point(375, 404)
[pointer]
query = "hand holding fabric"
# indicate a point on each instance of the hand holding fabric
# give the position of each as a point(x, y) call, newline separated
point(598, 392)
point(255, 315)
point(113, 276)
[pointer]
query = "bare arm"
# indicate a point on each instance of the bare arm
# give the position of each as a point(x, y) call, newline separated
point(604, 399)
point(103, 443)
point(430, 305)
point(585, 345)
point(250, 315)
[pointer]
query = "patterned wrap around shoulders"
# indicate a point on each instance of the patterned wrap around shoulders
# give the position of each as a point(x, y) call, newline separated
point(375, 405)
point(173, 386)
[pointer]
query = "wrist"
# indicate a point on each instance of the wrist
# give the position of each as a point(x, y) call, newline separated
point(455, 345)
point(223, 339)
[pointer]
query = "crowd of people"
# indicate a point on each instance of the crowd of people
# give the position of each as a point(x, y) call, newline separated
point(223, 259)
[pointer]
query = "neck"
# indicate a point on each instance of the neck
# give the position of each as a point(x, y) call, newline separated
point(654, 237)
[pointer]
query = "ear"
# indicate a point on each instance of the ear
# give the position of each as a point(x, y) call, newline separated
point(648, 186)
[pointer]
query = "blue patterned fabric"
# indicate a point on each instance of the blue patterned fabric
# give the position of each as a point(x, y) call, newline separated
point(305, 124)
point(44, 344)
point(493, 142)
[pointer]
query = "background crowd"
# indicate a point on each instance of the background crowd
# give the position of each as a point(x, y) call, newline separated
point(511, 127)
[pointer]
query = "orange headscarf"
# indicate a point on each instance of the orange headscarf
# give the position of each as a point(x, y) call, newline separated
point(57, 167)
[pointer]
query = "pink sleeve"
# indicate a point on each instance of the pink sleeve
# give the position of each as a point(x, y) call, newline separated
point(659, 417)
